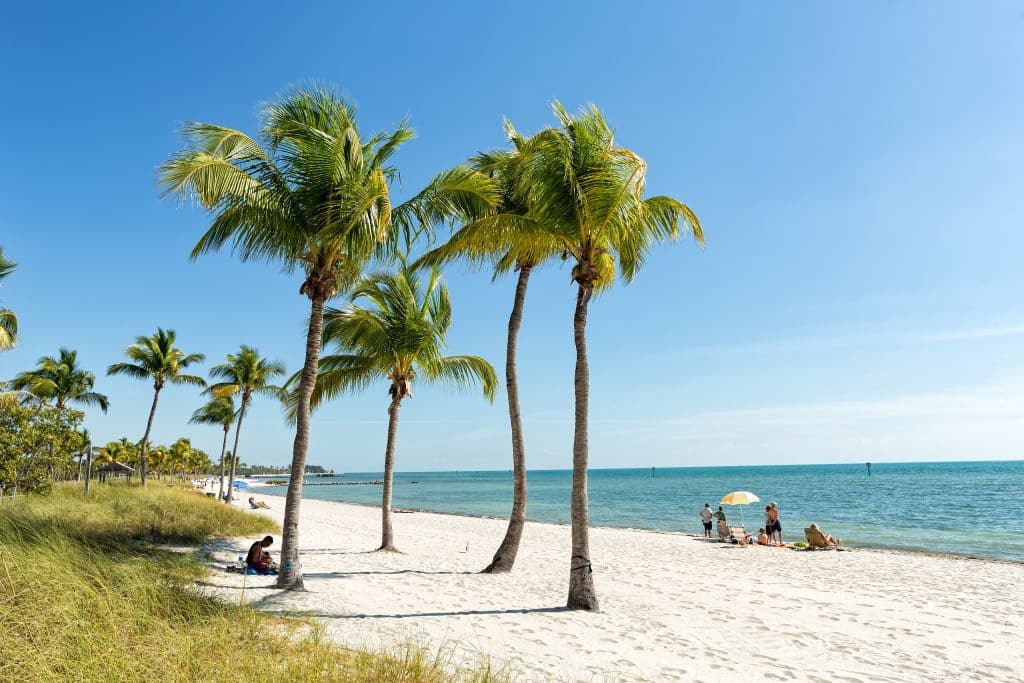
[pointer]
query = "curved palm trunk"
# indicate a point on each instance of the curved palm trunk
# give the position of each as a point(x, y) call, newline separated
point(291, 571)
point(505, 556)
point(223, 449)
point(387, 540)
point(145, 437)
point(581, 575)
point(234, 453)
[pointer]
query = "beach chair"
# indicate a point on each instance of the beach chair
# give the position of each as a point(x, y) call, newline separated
point(740, 534)
point(816, 540)
point(723, 531)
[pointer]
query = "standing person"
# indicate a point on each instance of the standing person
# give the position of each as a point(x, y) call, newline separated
point(776, 529)
point(768, 522)
point(706, 516)
point(723, 524)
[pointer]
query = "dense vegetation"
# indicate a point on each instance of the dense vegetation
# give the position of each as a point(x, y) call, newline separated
point(88, 593)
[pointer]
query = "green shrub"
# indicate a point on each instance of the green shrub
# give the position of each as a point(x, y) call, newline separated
point(87, 595)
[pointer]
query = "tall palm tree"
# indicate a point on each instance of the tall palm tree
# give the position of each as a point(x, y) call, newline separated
point(507, 239)
point(247, 374)
point(8, 321)
point(61, 379)
point(589, 194)
point(220, 412)
point(312, 194)
point(157, 358)
point(400, 335)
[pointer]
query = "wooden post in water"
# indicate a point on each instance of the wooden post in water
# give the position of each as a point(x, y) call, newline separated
point(869, 468)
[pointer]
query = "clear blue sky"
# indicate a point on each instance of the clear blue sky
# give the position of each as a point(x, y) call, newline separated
point(857, 168)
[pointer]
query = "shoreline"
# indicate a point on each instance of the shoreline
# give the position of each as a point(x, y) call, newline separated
point(846, 544)
point(672, 607)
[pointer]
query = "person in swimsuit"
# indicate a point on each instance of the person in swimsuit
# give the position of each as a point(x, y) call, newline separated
point(829, 538)
point(762, 537)
point(775, 530)
point(706, 516)
point(723, 524)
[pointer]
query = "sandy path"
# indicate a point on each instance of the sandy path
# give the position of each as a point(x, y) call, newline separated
point(673, 607)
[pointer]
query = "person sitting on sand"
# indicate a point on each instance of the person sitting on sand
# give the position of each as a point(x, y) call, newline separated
point(762, 537)
point(257, 504)
point(706, 516)
point(259, 559)
point(830, 540)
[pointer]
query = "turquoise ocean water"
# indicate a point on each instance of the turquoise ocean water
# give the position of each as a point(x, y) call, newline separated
point(968, 508)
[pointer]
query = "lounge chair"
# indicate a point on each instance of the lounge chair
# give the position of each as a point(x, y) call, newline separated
point(739, 534)
point(817, 541)
point(723, 531)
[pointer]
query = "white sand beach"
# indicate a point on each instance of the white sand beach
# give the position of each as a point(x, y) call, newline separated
point(673, 607)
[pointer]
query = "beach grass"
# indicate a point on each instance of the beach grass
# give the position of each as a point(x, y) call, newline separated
point(89, 591)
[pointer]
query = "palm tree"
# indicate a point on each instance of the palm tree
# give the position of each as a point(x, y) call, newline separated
point(61, 379)
point(589, 194)
point(314, 195)
point(178, 456)
point(220, 412)
point(156, 358)
point(399, 336)
point(507, 239)
point(247, 374)
point(159, 456)
point(8, 321)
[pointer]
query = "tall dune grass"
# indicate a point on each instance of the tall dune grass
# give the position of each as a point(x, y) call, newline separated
point(87, 594)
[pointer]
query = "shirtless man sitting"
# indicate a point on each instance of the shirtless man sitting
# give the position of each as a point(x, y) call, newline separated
point(258, 558)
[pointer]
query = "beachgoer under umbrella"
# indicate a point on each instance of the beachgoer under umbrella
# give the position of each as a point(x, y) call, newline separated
point(706, 516)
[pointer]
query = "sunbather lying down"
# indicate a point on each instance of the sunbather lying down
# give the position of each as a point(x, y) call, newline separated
point(257, 504)
point(818, 539)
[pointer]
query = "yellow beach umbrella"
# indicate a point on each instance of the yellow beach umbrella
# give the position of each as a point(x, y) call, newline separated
point(739, 498)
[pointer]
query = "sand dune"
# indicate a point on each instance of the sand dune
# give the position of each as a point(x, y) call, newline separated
point(673, 606)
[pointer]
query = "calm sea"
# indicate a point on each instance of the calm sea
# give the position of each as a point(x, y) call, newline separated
point(969, 508)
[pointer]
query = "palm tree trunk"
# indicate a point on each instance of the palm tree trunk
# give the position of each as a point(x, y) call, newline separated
point(223, 449)
point(505, 556)
point(145, 437)
point(387, 540)
point(291, 571)
point(581, 575)
point(88, 470)
point(234, 453)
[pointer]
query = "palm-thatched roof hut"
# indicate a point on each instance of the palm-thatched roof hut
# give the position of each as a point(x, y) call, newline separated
point(115, 469)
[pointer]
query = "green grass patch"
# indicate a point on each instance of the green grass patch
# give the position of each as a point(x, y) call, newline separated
point(87, 594)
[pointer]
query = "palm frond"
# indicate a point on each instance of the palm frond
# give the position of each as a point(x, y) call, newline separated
point(462, 372)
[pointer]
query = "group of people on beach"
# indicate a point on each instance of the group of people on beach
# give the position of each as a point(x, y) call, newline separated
point(770, 534)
